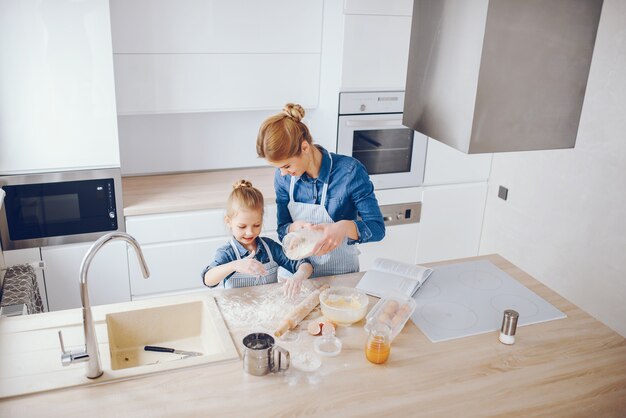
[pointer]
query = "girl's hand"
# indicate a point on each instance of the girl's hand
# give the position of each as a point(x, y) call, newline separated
point(333, 236)
point(250, 266)
point(292, 285)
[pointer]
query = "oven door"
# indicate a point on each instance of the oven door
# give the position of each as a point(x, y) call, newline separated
point(393, 154)
point(39, 212)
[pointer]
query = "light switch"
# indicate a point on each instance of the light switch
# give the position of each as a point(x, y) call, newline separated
point(503, 192)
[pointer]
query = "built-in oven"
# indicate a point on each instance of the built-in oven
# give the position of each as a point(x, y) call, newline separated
point(60, 208)
point(370, 130)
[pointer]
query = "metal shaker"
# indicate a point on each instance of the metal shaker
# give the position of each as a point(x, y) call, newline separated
point(509, 326)
point(262, 356)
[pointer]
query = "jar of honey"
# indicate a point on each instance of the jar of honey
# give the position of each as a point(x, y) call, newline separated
point(378, 343)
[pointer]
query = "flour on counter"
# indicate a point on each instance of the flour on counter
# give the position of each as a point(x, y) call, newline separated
point(259, 308)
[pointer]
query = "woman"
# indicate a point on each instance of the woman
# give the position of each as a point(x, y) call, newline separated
point(319, 190)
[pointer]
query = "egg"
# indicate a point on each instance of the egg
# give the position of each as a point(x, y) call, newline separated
point(397, 320)
point(405, 309)
point(383, 317)
point(390, 307)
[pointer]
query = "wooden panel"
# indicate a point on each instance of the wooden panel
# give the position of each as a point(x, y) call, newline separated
point(161, 83)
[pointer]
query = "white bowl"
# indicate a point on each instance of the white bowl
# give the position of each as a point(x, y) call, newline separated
point(344, 305)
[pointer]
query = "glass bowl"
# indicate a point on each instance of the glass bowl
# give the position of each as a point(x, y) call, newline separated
point(393, 310)
point(344, 305)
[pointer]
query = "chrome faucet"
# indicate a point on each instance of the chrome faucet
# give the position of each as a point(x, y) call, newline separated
point(90, 352)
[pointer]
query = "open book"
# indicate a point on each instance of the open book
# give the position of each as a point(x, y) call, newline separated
point(389, 277)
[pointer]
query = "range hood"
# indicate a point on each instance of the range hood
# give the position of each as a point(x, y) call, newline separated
point(499, 75)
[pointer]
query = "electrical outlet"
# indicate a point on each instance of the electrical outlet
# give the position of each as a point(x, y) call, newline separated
point(503, 192)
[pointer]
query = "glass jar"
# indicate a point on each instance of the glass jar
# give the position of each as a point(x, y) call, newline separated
point(378, 343)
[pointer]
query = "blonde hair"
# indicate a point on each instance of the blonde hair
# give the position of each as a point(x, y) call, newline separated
point(280, 136)
point(244, 197)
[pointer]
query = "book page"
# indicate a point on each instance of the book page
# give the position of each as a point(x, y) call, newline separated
point(410, 271)
point(378, 283)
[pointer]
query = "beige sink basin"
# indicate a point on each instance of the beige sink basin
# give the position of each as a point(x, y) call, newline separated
point(30, 354)
point(180, 326)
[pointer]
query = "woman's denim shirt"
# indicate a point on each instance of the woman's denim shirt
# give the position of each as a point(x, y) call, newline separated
point(350, 196)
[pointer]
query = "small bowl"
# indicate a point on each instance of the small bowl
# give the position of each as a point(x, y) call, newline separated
point(344, 305)
point(393, 310)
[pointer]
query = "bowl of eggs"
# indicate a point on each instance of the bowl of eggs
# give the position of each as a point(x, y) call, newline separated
point(344, 305)
point(393, 311)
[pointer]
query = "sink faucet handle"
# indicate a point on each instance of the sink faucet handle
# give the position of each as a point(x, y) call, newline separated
point(69, 357)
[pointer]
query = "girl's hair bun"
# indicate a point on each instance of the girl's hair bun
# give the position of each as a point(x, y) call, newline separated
point(294, 111)
point(241, 183)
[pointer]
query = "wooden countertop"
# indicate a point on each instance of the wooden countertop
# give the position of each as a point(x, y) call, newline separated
point(144, 195)
point(568, 367)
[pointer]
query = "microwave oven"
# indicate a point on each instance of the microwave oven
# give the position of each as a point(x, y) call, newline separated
point(370, 129)
point(60, 208)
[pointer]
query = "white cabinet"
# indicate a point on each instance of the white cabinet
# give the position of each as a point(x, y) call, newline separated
point(57, 102)
point(107, 278)
point(376, 45)
point(399, 244)
point(177, 246)
point(27, 256)
point(199, 55)
point(451, 221)
point(447, 165)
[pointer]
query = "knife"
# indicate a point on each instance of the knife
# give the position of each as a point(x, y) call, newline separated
point(171, 350)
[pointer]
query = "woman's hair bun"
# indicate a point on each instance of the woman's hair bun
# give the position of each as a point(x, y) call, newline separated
point(294, 111)
point(241, 183)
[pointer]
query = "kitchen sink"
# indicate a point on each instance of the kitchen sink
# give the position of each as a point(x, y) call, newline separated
point(30, 361)
point(178, 326)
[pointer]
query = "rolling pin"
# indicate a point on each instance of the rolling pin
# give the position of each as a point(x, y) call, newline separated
point(300, 312)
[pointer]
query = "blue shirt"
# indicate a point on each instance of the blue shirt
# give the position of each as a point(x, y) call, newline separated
point(226, 254)
point(350, 195)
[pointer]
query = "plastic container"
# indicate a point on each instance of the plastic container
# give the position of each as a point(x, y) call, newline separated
point(299, 244)
point(344, 305)
point(393, 311)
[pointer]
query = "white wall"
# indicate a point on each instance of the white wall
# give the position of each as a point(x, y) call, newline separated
point(222, 140)
point(564, 222)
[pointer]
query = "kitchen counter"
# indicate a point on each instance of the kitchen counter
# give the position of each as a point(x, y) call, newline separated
point(570, 367)
point(144, 195)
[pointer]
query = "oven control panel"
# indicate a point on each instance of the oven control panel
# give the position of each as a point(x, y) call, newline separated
point(400, 214)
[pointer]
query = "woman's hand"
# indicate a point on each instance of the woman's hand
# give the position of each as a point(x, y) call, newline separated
point(333, 236)
point(296, 225)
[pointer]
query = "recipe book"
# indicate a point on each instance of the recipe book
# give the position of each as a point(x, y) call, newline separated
point(389, 277)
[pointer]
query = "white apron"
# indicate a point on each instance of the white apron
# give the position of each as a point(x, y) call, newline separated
point(245, 279)
point(344, 258)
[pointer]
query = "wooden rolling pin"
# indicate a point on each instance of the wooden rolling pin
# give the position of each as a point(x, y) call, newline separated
point(300, 312)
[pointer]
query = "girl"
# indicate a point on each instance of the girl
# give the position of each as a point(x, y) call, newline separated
point(319, 190)
point(248, 259)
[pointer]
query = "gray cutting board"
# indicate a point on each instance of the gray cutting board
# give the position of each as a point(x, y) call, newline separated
point(469, 298)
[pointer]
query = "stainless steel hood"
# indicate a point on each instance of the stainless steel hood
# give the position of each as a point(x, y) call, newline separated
point(499, 75)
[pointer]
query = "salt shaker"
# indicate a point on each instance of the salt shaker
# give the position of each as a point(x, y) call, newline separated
point(509, 325)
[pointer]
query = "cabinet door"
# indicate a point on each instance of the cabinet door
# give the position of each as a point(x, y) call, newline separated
point(170, 83)
point(376, 52)
point(399, 244)
point(216, 26)
point(58, 96)
point(446, 165)
point(451, 221)
point(107, 277)
point(174, 266)
point(27, 256)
